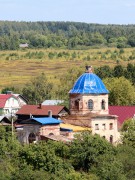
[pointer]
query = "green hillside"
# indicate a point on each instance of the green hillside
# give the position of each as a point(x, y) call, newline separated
point(69, 35)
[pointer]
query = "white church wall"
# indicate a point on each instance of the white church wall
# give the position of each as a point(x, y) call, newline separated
point(106, 128)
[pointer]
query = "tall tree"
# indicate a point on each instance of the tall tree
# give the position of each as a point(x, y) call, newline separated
point(118, 71)
point(122, 92)
point(38, 89)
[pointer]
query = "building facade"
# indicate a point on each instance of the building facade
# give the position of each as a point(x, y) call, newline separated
point(89, 106)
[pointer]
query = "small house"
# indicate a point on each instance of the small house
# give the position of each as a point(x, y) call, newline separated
point(40, 110)
point(9, 104)
point(34, 129)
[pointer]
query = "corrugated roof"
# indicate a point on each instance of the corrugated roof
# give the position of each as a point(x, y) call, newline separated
point(3, 99)
point(123, 112)
point(57, 138)
point(89, 83)
point(47, 120)
point(52, 102)
point(43, 111)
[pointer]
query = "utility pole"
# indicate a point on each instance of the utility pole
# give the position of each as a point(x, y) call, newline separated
point(12, 123)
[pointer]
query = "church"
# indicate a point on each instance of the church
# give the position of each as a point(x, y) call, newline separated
point(88, 100)
point(88, 110)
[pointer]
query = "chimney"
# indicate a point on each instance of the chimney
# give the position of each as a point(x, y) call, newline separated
point(50, 113)
point(9, 92)
point(40, 106)
point(88, 69)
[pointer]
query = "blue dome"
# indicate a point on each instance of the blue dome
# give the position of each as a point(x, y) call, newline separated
point(89, 83)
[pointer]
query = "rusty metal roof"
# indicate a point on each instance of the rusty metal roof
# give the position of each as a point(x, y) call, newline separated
point(40, 110)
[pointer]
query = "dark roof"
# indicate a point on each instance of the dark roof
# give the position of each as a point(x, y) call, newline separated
point(123, 112)
point(43, 110)
point(4, 120)
point(21, 96)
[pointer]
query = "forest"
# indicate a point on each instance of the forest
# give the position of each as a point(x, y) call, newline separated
point(71, 35)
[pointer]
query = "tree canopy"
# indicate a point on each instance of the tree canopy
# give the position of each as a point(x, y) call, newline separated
point(38, 89)
point(64, 35)
point(122, 92)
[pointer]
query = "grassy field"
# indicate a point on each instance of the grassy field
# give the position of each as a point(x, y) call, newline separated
point(18, 67)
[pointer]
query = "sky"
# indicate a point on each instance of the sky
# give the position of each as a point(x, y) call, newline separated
point(88, 11)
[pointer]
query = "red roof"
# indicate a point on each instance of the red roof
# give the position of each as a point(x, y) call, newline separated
point(3, 99)
point(36, 110)
point(123, 112)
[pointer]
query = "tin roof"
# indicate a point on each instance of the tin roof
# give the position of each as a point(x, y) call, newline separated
point(47, 120)
point(52, 102)
point(89, 83)
point(123, 112)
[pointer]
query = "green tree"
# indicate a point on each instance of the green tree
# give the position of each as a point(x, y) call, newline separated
point(126, 155)
point(131, 40)
point(109, 167)
point(87, 148)
point(130, 72)
point(121, 42)
point(104, 72)
point(12, 88)
point(118, 71)
point(66, 83)
point(38, 89)
point(122, 92)
point(128, 132)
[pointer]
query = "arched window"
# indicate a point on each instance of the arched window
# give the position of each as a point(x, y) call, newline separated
point(51, 134)
point(111, 139)
point(90, 104)
point(77, 104)
point(32, 137)
point(103, 104)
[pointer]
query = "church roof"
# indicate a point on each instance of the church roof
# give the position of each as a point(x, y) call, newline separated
point(89, 83)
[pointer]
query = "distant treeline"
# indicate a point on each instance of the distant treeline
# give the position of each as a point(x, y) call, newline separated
point(71, 35)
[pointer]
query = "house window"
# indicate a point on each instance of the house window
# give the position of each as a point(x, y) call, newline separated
point(32, 137)
point(111, 139)
point(111, 126)
point(103, 105)
point(6, 111)
point(96, 127)
point(103, 126)
point(90, 104)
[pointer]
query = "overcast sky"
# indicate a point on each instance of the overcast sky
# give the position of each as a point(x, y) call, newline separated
point(89, 11)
